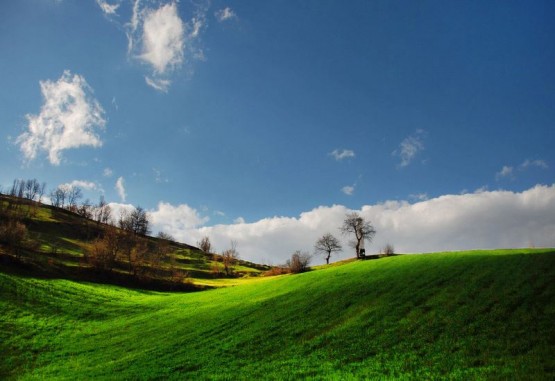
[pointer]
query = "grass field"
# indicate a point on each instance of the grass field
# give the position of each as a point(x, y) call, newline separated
point(461, 315)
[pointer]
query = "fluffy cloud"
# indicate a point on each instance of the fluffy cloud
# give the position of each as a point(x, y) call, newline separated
point(120, 188)
point(410, 147)
point(160, 38)
point(225, 14)
point(69, 118)
point(340, 155)
point(176, 220)
point(163, 38)
point(485, 219)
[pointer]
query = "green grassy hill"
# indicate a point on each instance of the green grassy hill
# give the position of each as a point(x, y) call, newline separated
point(461, 315)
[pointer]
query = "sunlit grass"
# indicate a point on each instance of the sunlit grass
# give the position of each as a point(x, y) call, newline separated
point(466, 315)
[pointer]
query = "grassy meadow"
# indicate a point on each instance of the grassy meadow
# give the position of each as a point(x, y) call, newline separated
point(459, 315)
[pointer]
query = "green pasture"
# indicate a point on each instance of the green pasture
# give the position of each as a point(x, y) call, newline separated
point(460, 315)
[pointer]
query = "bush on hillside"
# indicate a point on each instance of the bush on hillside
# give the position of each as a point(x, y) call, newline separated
point(299, 262)
point(388, 250)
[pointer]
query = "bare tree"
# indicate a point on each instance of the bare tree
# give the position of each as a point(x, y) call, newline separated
point(14, 236)
point(102, 252)
point(229, 258)
point(166, 236)
point(326, 245)
point(102, 212)
point(74, 194)
point(135, 222)
point(85, 210)
point(205, 245)
point(299, 262)
point(41, 191)
point(58, 196)
point(362, 229)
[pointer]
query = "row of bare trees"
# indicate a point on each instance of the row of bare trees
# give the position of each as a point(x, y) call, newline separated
point(223, 263)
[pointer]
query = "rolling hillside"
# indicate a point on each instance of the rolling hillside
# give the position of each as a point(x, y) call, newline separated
point(61, 238)
point(460, 315)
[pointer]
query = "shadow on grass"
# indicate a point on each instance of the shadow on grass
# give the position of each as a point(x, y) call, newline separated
point(23, 268)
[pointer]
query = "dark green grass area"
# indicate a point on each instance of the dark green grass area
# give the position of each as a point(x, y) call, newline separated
point(461, 315)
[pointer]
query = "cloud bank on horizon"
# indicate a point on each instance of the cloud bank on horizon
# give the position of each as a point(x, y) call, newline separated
point(479, 220)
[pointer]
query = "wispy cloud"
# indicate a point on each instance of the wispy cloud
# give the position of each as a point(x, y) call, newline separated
point(506, 171)
point(348, 190)
point(107, 8)
point(419, 197)
point(533, 163)
point(70, 117)
point(159, 177)
point(510, 172)
point(120, 188)
point(225, 14)
point(410, 147)
point(162, 85)
point(342, 154)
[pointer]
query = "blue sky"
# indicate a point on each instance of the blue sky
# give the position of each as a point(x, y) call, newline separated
point(214, 113)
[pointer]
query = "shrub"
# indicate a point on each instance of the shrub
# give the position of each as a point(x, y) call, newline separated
point(299, 262)
point(388, 250)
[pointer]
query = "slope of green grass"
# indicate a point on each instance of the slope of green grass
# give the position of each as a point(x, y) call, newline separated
point(465, 315)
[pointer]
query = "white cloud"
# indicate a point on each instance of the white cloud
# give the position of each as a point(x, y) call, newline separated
point(410, 147)
point(109, 9)
point(69, 118)
point(87, 185)
point(533, 163)
point(509, 171)
point(108, 172)
point(419, 196)
point(340, 155)
point(348, 190)
point(159, 84)
point(162, 38)
point(159, 178)
point(118, 209)
point(506, 171)
point(239, 220)
point(177, 220)
point(486, 219)
point(225, 14)
point(120, 188)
